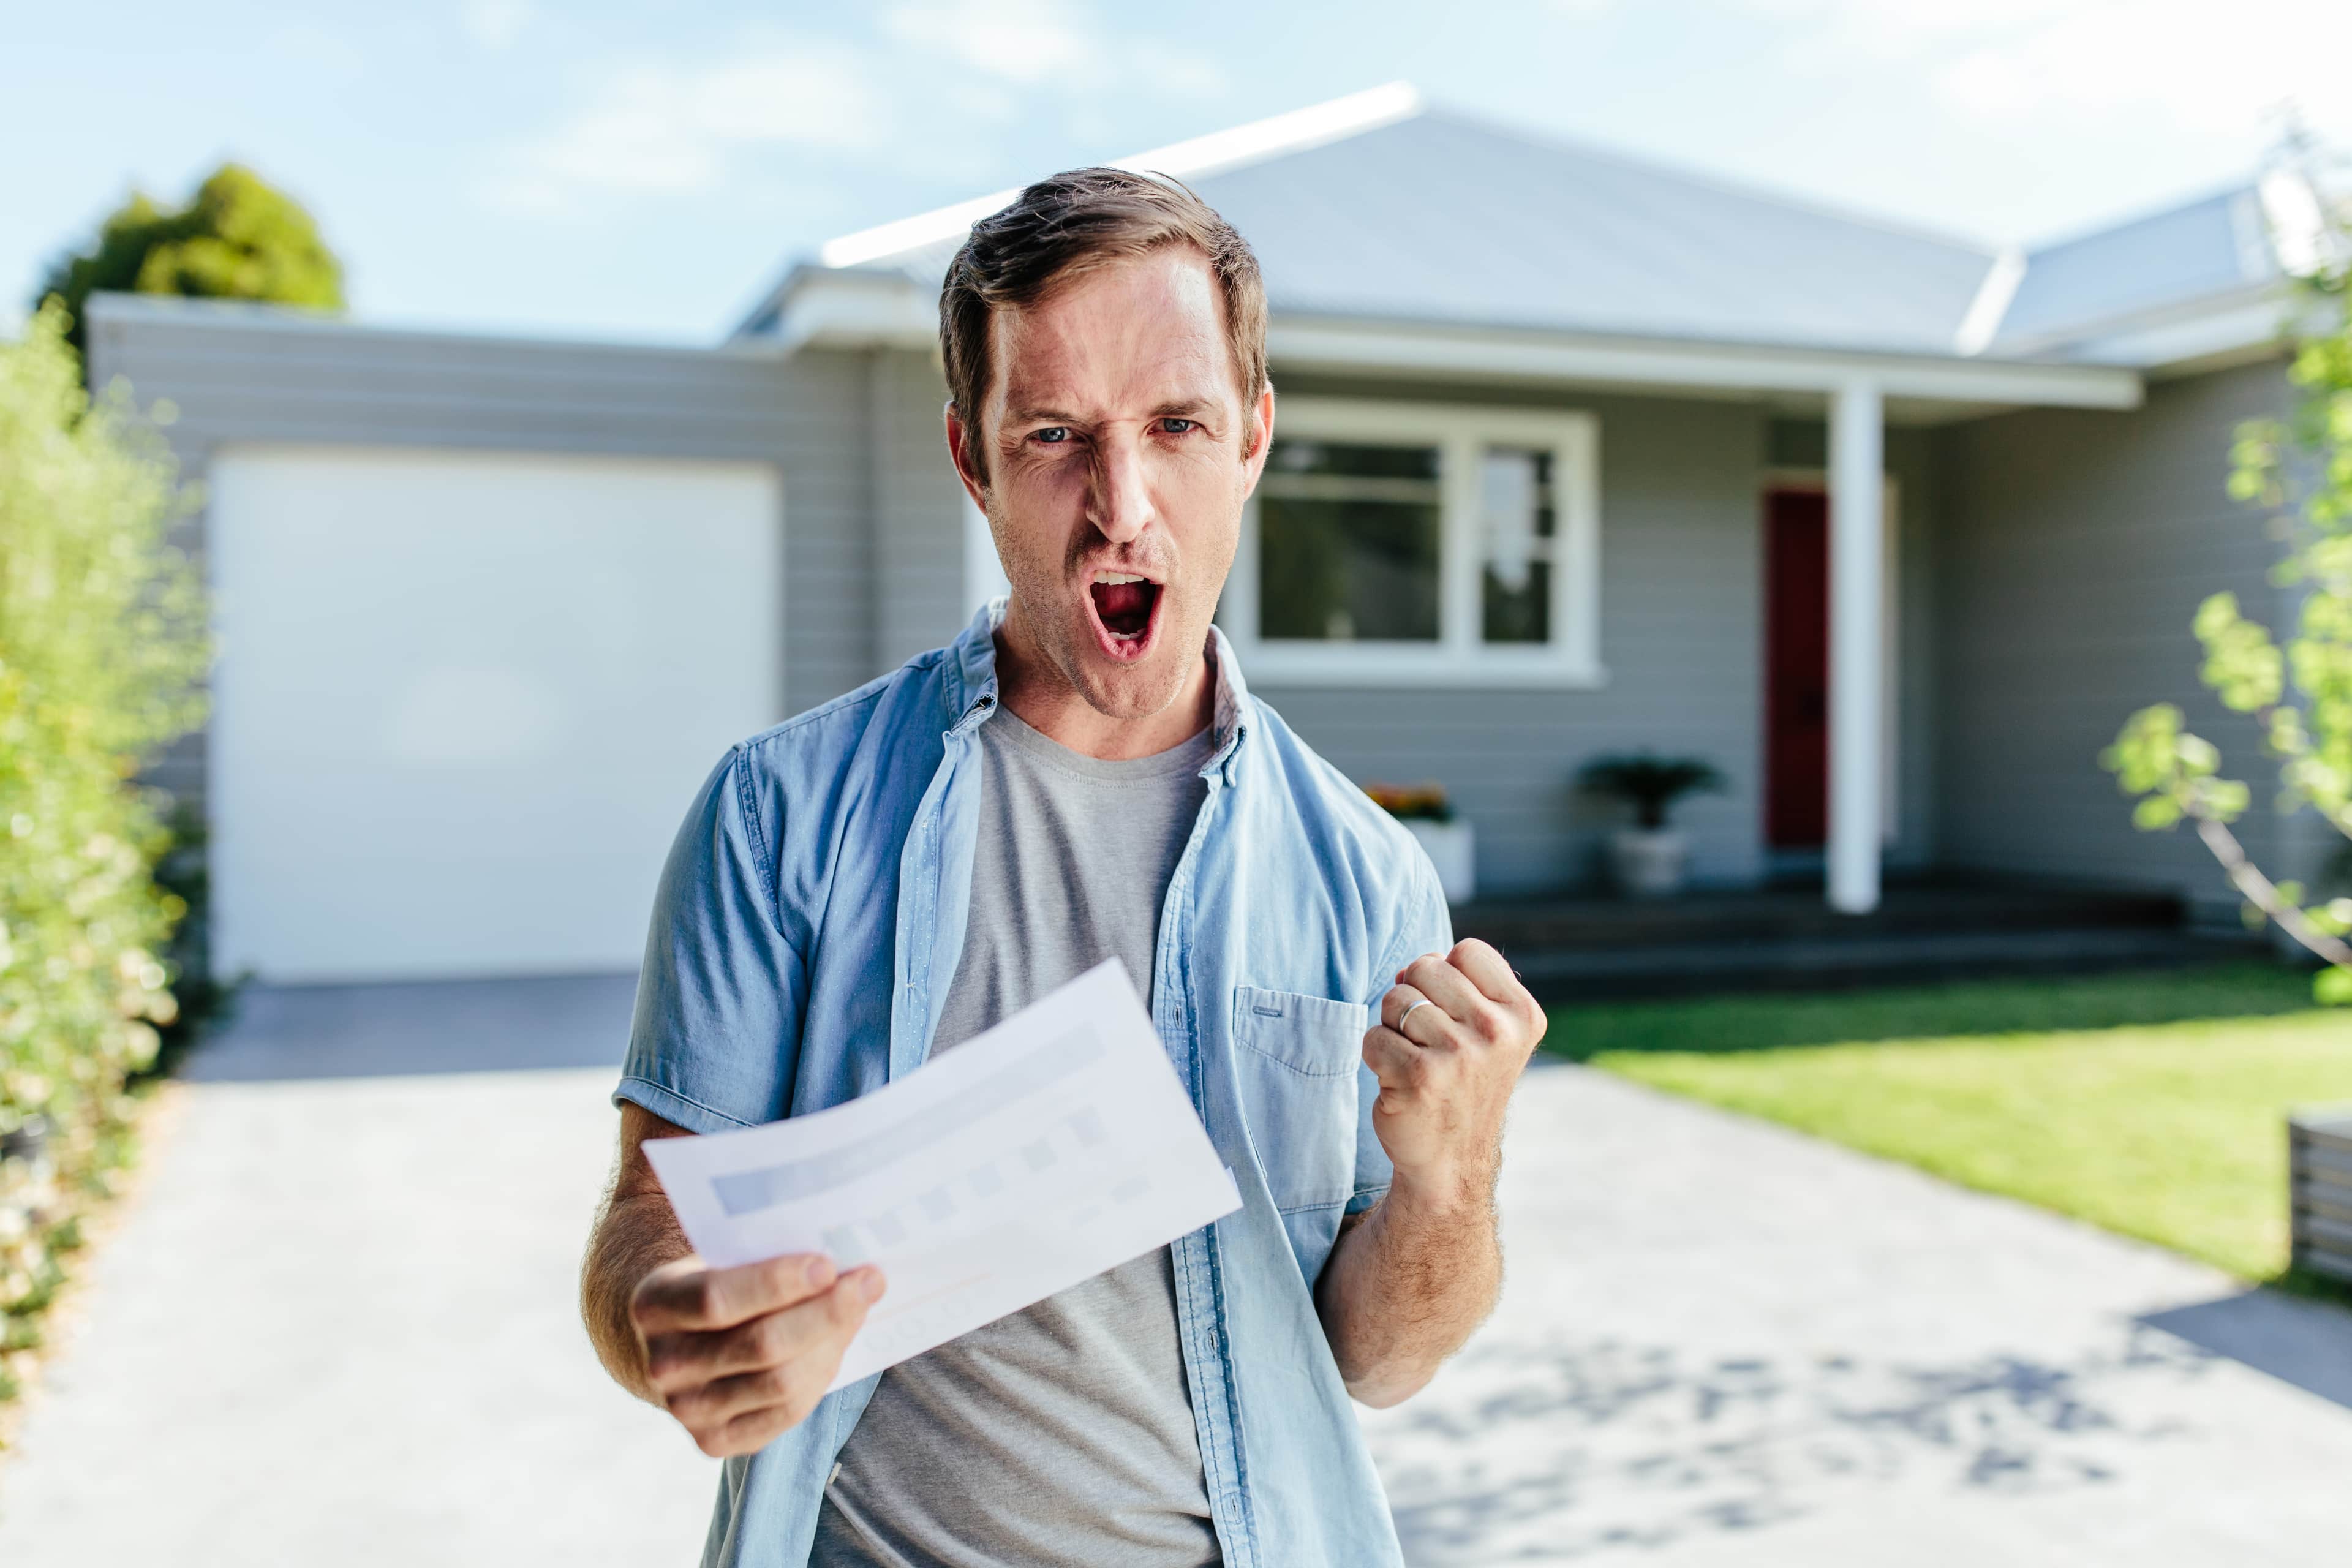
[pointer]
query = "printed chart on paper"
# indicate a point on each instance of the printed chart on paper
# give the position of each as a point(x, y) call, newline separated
point(1031, 1157)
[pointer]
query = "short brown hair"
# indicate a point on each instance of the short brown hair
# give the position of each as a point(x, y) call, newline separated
point(1068, 224)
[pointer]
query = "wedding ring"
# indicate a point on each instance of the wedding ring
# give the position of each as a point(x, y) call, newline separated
point(1424, 1001)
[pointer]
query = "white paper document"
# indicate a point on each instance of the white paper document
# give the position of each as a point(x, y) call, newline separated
point(1055, 1145)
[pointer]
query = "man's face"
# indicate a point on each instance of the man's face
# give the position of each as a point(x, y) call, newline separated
point(1118, 453)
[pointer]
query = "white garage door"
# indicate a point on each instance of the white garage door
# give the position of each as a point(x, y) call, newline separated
point(463, 700)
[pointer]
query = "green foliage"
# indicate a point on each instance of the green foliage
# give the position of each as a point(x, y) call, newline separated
point(240, 238)
point(2172, 770)
point(2299, 470)
point(101, 644)
point(1647, 782)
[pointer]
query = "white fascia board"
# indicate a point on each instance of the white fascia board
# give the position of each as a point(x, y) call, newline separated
point(111, 309)
point(853, 310)
point(1981, 324)
point(2103, 340)
point(2206, 342)
point(886, 310)
point(1644, 364)
point(2234, 329)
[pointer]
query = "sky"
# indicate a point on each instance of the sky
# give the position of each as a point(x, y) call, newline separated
point(629, 171)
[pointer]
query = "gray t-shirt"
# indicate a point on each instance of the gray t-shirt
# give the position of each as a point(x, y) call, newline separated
point(1063, 1433)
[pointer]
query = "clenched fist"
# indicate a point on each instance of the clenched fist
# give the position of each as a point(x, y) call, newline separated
point(1447, 1069)
point(740, 1355)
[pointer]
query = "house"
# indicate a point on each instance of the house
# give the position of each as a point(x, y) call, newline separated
point(1576, 454)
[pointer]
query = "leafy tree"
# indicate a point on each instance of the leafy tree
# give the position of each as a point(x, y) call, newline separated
point(103, 642)
point(2299, 469)
point(240, 238)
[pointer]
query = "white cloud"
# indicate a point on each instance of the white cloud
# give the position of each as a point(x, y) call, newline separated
point(495, 23)
point(1024, 41)
point(2184, 63)
point(670, 129)
point(1026, 44)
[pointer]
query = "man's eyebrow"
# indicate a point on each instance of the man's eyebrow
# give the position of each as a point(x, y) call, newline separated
point(1050, 416)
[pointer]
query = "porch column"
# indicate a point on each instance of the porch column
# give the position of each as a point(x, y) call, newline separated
point(1857, 499)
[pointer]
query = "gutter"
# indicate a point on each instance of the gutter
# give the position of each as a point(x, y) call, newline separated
point(852, 309)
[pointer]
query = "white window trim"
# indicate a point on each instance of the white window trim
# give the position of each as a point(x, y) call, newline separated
point(1572, 658)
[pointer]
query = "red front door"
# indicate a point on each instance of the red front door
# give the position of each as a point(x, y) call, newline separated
point(1796, 669)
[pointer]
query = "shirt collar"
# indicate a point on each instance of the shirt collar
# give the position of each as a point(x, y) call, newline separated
point(971, 685)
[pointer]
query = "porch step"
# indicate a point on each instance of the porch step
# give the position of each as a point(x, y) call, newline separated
point(1614, 974)
point(1789, 939)
point(1791, 912)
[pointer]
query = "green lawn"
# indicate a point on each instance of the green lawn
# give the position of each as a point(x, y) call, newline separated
point(2149, 1104)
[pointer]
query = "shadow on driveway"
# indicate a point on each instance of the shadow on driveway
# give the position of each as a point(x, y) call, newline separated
point(2306, 1343)
point(284, 1032)
point(1554, 1452)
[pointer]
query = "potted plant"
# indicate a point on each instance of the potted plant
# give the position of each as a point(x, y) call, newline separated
point(1648, 859)
point(1429, 817)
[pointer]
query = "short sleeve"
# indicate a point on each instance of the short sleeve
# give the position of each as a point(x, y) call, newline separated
point(1428, 927)
point(716, 1035)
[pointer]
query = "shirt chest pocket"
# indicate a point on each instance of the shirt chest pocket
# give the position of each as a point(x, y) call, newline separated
point(1299, 1067)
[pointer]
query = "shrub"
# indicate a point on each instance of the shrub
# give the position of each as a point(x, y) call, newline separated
point(1649, 784)
point(238, 239)
point(101, 648)
point(1413, 802)
point(2299, 690)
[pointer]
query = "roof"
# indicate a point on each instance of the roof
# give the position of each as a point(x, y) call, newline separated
point(2218, 245)
point(1378, 208)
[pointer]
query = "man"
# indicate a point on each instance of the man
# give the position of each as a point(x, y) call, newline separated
point(1082, 774)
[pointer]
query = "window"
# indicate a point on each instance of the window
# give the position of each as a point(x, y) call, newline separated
point(1350, 532)
point(1418, 543)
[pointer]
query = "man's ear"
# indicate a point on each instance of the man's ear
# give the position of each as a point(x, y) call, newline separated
point(1261, 427)
point(964, 452)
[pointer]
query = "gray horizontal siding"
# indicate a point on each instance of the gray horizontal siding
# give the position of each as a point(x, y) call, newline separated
point(236, 379)
point(2078, 547)
point(917, 510)
point(1681, 634)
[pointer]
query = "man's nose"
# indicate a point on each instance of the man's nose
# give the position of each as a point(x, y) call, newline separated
point(1119, 500)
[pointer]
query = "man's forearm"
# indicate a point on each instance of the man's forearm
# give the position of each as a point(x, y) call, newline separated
point(1407, 1283)
point(637, 1234)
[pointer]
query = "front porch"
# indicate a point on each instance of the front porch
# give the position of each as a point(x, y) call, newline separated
point(1924, 927)
point(1673, 571)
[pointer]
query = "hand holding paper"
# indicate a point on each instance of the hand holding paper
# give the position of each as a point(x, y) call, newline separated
point(1033, 1156)
point(739, 1354)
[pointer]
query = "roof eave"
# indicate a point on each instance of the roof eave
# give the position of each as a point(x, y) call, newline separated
point(1699, 364)
point(855, 309)
point(2180, 337)
point(852, 308)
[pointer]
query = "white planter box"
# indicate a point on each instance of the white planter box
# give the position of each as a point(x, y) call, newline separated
point(1453, 849)
point(2319, 1186)
point(1648, 863)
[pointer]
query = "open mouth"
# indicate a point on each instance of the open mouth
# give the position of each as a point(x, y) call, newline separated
point(1124, 605)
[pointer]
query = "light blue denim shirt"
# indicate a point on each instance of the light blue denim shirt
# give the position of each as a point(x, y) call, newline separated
point(806, 928)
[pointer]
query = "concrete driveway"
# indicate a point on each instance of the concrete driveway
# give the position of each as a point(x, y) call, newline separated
point(336, 1325)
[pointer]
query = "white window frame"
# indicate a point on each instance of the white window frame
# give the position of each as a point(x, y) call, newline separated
point(1459, 656)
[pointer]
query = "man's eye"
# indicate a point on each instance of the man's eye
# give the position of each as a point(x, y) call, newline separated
point(1175, 427)
point(1052, 435)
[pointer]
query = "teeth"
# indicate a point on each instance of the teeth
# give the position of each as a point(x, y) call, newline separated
point(1117, 577)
